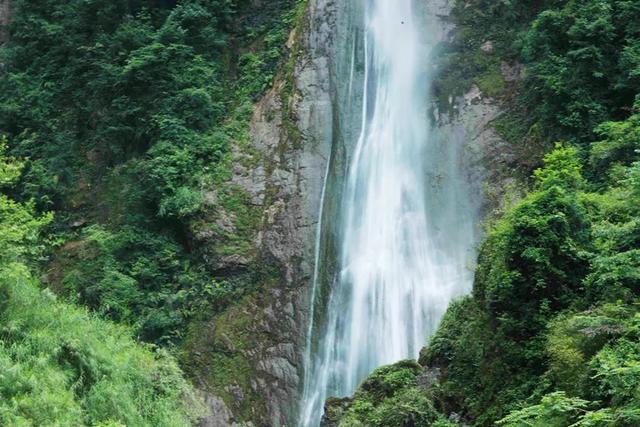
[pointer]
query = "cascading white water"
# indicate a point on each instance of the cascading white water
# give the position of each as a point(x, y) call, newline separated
point(406, 240)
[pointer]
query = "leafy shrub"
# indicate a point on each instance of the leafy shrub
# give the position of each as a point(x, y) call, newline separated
point(583, 65)
point(139, 278)
point(388, 398)
point(62, 366)
point(533, 261)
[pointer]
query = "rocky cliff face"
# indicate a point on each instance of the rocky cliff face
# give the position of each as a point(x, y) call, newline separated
point(466, 122)
point(248, 360)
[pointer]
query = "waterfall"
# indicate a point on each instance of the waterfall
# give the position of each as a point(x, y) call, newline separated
point(406, 228)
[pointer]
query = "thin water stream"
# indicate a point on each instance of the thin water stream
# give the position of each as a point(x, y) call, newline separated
point(406, 234)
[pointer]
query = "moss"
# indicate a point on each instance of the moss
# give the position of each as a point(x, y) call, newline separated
point(336, 409)
point(510, 127)
point(246, 218)
point(389, 397)
point(215, 352)
point(525, 144)
point(235, 202)
point(491, 82)
point(289, 121)
point(231, 367)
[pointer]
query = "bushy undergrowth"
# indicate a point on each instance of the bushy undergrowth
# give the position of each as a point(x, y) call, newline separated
point(126, 112)
point(60, 365)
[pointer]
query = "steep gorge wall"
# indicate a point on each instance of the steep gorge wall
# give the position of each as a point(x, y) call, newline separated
point(465, 121)
point(248, 360)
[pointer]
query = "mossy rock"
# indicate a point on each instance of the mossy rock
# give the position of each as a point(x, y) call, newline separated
point(389, 397)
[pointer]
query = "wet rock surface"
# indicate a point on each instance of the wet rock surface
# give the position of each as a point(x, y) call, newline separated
point(281, 174)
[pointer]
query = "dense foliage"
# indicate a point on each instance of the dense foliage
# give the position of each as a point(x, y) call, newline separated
point(388, 397)
point(549, 337)
point(126, 112)
point(62, 366)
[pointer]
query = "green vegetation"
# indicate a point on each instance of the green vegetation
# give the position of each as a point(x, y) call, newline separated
point(125, 117)
point(127, 112)
point(389, 397)
point(583, 65)
point(61, 365)
point(549, 336)
point(541, 316)
point(129, 115)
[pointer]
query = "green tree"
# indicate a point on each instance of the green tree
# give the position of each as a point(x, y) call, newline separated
point(62, 366)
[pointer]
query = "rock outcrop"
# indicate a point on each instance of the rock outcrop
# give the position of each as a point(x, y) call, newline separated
point(248, 360)
point(467, 124)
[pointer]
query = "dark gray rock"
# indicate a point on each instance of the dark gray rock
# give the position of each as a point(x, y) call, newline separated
point(511, 73)
point(282, 174)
